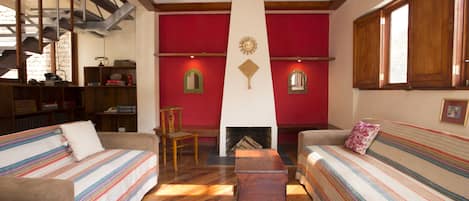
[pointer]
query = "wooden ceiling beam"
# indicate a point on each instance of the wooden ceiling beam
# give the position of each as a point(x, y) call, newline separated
point(147, 4)
point(335, 4)
point(170, 7)
point(269, 5)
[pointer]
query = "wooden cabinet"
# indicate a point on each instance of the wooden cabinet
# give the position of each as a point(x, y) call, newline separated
point(25, 107)
point(102, 95)
point(430, 43)
point(366, 52)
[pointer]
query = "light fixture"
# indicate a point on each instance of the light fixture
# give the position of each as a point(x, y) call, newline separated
point(192, 56)
point(298, 60)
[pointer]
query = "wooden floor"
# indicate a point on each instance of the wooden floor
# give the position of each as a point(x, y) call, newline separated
point(209, 183)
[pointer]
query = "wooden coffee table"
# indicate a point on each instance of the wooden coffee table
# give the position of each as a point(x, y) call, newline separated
point(261, 175)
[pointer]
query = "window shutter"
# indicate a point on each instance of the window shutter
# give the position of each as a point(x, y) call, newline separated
point(366, 51)
point(430, 43)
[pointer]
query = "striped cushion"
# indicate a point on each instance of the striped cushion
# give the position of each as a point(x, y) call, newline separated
point(29, 150)
point(110, 175)
point(336, 173)
point(437, 159)
point(107, 175)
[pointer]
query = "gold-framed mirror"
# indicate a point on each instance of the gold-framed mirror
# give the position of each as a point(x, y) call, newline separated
point(297, 82)
point(193, 82)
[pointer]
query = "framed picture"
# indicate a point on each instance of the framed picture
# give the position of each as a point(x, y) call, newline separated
point(454, 111)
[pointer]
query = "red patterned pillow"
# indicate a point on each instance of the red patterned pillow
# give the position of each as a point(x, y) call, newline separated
point(361, 137)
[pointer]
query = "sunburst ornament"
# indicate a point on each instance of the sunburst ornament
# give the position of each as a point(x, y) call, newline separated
point(248, 45)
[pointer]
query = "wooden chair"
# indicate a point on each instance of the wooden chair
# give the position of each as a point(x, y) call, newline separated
point(168, 130)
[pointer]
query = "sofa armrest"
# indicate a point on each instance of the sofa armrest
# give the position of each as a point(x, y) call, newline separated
point(129, 140)
point(28, 189)
point(321, 137)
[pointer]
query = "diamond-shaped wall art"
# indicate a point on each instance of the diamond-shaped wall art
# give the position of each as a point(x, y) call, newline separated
point(249, 68)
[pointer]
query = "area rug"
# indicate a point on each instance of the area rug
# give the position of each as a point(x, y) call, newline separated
point(213, 159)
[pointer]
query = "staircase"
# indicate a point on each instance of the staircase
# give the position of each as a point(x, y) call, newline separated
point(56, 21)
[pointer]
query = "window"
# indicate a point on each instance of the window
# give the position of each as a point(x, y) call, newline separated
point(403, 46)
point(398, 27)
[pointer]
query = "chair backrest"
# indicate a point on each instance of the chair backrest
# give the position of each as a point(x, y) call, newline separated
point(171, 119)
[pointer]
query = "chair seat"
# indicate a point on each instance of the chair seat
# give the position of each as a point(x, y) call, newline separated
point(179, 135)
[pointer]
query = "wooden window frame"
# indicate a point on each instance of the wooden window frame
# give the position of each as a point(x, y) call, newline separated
point(464, 50)
point(386, 12)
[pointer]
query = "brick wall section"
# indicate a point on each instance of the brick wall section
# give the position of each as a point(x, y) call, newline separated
point(39, 64)
point(7, 15)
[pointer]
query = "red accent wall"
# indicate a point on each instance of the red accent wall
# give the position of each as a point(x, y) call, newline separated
point(199, 109)
point(299, 35)
point(289, 35)
point(193, 33)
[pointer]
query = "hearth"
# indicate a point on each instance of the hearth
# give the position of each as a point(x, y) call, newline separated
point(261, 135)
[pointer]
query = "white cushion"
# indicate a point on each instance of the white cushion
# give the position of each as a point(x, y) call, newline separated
point(82, 138)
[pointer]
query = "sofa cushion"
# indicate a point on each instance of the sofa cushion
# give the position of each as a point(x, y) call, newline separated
point(32, 150)
point(336, 173)
point(438, 159)
point(114, 174)
point(361, 137)
point(82, 138)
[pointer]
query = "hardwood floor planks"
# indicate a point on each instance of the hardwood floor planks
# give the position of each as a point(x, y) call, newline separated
point(209, 183)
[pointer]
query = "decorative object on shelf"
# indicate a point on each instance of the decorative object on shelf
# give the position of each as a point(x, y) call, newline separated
point(126, 109)
point(454, 111)
point(130, 80)
point(115, 79)
point(193, 82)
point(115, 76)
point(125, 62)
point(102, 60)
point(297, 82)
point(248, 45)
point(249, 68)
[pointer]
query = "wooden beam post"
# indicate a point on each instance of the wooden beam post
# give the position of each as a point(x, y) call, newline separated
point(19, 45)
point(53, 58)
point(41, 28)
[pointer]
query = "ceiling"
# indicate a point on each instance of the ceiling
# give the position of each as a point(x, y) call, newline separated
point(225, 5)
point(212, 1)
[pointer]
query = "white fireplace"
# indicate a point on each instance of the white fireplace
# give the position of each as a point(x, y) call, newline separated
point(243, 107)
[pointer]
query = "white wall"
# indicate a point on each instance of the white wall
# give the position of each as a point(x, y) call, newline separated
point(136, 41)
point(348, 105)
point(147, 77)
point(117, 45)
point(241, 106)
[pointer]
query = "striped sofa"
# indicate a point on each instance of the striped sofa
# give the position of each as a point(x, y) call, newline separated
point(405, 162)
point(37, 165)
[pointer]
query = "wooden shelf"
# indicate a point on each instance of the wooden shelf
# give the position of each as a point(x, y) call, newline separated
point(112, 67)
point(116, 113)
point(47, 112)
point(200, 54)
point(302, 58)
point(112, 86)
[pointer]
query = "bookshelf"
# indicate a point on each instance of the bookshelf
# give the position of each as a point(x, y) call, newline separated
point(25, 107)
point(100, 97)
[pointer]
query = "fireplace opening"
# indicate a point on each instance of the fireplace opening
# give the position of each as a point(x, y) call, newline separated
point(262, 135)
